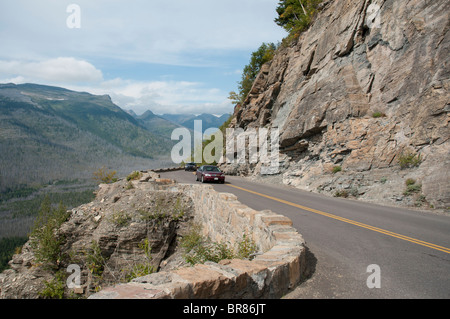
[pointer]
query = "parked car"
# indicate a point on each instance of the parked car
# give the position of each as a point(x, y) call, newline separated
point(190, 167)
point(210, 173)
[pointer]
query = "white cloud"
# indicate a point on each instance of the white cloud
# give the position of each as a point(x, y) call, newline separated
point(116, 36)
point(158, 96)
point(176, 32)
point(166, 96)
point(59, 70)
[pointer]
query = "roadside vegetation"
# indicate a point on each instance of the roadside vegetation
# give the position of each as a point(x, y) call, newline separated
point(412, 187)
point(198, 249)
point(409, 159)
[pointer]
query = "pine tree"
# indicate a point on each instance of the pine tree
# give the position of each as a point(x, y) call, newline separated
point(261, 56)
point(296, 15)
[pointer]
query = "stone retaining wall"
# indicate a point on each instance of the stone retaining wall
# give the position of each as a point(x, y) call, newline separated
point(279, 267)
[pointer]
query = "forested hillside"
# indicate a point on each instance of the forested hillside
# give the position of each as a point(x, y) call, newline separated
point(49, 134)
point(52, 140)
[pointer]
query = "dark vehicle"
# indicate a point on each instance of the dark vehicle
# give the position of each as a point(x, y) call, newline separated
point(210, 173)
point(190, 167)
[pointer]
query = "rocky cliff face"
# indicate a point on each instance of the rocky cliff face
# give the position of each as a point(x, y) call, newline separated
point(365, 86)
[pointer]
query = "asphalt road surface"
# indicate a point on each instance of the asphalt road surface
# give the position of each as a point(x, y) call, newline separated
point(355, 249)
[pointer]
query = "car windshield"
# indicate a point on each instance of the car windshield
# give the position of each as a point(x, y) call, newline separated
point(211, 169)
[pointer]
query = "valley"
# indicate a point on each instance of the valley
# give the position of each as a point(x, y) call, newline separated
point(53, 140)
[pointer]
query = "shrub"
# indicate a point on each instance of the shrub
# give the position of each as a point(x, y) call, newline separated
point(54, 289)
point(378, 114)
point(94, 260)
point(143, 269)
point(192, 239)
point(120, 218)
point(134, 176)
point(246, 248)
point(43, 238)
point(409, 159)
point(420, 200)
point(105, 176)
point(199, 249)
point(354, 192)
point(414, 188)
point(341, 193)
point(163, 210)
point(129, 186)
point(337, 169)
point(157, 215)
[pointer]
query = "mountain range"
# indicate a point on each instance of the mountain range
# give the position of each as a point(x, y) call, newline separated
point(49, 133)
point(187, 120)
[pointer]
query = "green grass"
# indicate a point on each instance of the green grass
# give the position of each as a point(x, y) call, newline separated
point(409, 159)
point(337, 169)
point(378, 114)
point(199, 249)
point(411, 189)
point(134, 176)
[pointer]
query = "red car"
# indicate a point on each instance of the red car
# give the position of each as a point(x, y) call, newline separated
point(210, 173)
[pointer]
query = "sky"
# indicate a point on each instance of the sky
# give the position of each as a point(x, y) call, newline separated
point(167, 56)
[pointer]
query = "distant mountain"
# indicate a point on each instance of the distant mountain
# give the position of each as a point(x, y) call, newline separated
point(156, 124)
point(131, 112)
point(49, 133)
point(187, 120)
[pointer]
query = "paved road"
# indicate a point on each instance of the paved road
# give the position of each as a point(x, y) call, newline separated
point(344, 237)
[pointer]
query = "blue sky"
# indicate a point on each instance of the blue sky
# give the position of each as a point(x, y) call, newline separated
point(174, 56)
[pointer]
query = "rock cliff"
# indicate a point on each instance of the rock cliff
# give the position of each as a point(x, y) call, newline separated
point(105, 239)
point(361, 102)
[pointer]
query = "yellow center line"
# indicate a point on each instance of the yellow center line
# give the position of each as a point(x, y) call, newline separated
point(349, 221)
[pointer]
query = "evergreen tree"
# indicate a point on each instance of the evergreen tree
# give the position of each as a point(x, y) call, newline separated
point(44, 240)
point(261, 56)
point(296, 15)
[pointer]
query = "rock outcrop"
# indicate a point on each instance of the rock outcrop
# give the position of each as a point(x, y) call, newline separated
point(105, 239)
point(125, 244)
point(365, 85)
point(278, 265)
